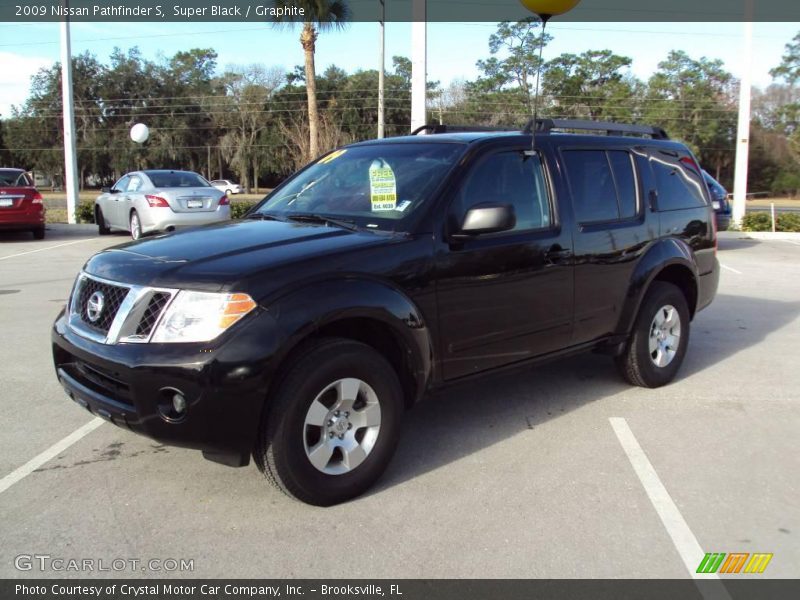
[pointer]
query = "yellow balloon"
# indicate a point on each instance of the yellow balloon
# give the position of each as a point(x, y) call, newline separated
point(549, 7)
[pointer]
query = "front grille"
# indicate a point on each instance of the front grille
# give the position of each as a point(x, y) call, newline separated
point(151, 314)
point(133, 310)
point(112, 299)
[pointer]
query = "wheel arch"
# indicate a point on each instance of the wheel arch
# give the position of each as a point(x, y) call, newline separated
point(670, 261)
point(368, 311)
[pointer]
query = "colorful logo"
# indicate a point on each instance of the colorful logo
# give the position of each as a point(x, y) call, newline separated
point(735, 562)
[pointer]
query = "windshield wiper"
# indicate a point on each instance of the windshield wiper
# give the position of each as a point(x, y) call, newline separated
point(315, 218)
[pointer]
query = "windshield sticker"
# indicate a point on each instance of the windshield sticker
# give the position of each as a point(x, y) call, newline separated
point(403, 205)
point(331, 157)
point(382, 186)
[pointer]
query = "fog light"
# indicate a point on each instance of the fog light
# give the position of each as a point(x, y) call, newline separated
point(179, 404)
point(172, 405)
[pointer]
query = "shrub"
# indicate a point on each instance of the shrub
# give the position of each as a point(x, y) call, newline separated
point(757, 221)
point(84, 212)
point(788, 222)
point(238, 209)
point(762, 221)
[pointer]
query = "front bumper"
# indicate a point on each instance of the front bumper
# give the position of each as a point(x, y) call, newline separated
point(131, 385)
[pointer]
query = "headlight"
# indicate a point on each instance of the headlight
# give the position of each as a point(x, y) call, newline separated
point(201, 316)
point(715, 204)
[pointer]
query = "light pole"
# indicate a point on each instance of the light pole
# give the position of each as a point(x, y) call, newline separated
point(70, 158)
point(419, 60)
point(743, 127)
point(382, 75)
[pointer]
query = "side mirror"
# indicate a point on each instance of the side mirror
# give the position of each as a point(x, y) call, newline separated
point(486, 218)
point(105, 190)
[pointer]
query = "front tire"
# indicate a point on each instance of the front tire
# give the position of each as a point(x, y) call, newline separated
point(333, 423)
point(135, 225)
point(102, 228)
point(38, 233)
point(657, 347)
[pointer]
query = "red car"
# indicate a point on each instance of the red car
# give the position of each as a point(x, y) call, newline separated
point(21, 205)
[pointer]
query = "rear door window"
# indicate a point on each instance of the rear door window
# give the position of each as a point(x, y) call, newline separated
point(603, 185)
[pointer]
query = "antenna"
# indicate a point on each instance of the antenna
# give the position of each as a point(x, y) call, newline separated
point(532, 151)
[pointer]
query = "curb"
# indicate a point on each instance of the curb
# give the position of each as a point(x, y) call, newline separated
point(767, 235)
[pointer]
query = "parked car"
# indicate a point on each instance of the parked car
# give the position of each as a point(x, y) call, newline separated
point(21, 205)
point(302, 333)
point(227, 186)
point(719, 200)
point(145, 202)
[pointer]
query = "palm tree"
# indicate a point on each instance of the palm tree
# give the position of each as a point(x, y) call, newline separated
point(318, 16)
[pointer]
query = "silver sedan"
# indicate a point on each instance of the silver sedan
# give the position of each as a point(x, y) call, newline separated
point(152, 201)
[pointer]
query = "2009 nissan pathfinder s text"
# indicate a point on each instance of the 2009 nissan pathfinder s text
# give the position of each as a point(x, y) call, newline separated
point(301, 333)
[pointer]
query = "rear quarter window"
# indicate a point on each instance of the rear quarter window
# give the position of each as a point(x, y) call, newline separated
point(678, 183)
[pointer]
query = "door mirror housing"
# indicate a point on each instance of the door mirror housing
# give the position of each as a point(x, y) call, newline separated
point(486, 218)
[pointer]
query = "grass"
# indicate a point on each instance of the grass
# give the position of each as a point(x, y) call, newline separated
point(765, 202)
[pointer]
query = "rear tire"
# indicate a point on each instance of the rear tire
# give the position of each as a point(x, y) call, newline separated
point(135, 226)
point(38, 233)
point(102, 228)
point(332, 425)
point(657, 346)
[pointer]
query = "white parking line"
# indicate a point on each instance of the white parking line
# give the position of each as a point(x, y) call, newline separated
point(47, 248)
point(730, 269)
point(682, 537)
point(53, 451)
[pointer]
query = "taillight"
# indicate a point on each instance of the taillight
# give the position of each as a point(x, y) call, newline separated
point(224, 201)
point(157, 201)
point(37, 198)
point(714, 229)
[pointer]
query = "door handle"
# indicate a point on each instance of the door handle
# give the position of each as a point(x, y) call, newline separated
point(556, 254)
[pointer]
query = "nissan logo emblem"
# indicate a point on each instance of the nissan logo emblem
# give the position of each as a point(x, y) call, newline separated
point(95, 305)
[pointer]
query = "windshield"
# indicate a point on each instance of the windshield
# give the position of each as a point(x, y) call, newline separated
point(176, 179)
point(374, 186)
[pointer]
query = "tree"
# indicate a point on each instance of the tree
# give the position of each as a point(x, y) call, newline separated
point(244, 116)
point(515, 59)
point(318, 16)
point(695, 101)
point(593, 85)
point(789, 69)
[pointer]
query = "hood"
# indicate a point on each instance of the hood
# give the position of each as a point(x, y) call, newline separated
point(216, 257)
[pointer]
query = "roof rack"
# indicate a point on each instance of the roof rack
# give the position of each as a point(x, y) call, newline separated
point(548, 125)
point(437, 128)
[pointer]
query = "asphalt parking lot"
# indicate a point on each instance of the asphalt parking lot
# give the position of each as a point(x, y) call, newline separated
point(561, 471)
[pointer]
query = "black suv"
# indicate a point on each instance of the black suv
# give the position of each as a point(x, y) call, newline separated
point(301, 333)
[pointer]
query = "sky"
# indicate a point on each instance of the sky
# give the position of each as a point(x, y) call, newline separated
point(453, 48)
